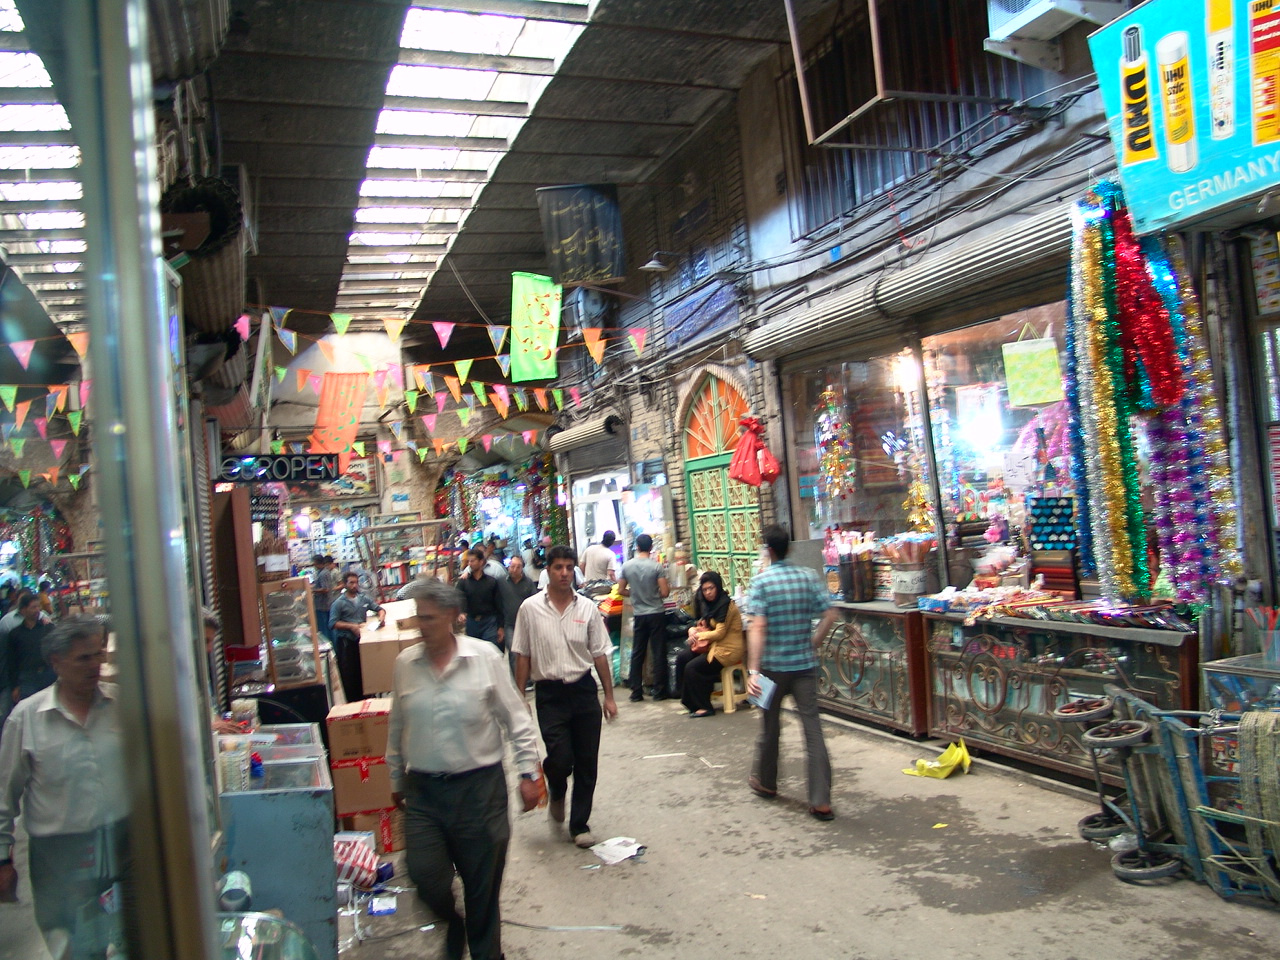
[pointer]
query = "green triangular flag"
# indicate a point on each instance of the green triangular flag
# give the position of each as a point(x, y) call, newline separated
point(277, 446)
point(340, 322)
point(73, 418)
point(478, 387)
point(411, 400)
point(422, 454)
point(521, 402)
point(74, 480)
point(18, 443)
point(464, 414)
point(9, 394)
point(280, 374)
point(366, 362)
point(462, 444)
point(25, 477)
point(558, 395)
point(358, 447)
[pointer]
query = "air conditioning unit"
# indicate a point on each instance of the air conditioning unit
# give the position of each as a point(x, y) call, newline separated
point(1027, 30)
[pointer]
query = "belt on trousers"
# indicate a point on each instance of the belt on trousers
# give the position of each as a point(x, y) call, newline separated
point(446, 775)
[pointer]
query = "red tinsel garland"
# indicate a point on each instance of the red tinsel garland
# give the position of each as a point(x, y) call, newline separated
point(1144, 321)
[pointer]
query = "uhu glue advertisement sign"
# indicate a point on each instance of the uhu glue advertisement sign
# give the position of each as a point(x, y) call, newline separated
point(1192, 94)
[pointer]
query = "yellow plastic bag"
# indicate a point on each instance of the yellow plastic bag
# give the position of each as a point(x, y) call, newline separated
point(956, 755)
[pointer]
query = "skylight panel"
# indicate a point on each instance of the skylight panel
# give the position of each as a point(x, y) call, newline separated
point(33, 116)
point(53, 220)
point(417, 123)
point(10, 19)
point(404, 214)
point(461, 32)
point(41, 190)
point(61, 246)
point(417, 188)
point(397, 239)
point(413, 158)
point(50, 158)
point(446, 82)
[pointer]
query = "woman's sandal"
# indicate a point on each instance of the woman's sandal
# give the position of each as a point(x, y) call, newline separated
point(702, 713)
point(754, 783)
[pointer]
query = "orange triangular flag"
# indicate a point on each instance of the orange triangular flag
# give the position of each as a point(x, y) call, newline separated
point(302, 374)
point(382, 395)
point(52, 474)
point(61, 390)
point(438, 444)
point(20, 413)
point(500, 404)
point(394, 327)
point(326, 348)
point(540, 394)
point(79, 342)
point(455, 387)
point(595, 346)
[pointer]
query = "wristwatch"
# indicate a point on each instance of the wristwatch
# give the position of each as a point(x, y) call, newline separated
point(753, 673)
point(529, 776)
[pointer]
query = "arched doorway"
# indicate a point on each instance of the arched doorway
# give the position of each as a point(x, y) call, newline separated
point(724, 514)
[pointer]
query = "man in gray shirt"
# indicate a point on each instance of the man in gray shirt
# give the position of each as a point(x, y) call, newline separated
point(645, 582)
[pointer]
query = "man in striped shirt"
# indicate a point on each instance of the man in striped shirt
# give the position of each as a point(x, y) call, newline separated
point(782, 603)
point(560, 635)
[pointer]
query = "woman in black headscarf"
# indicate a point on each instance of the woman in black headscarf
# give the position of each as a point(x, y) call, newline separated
point(715, 642)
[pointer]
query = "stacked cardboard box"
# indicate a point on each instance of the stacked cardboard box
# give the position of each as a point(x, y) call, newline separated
point(380, 647)
point(361, 778)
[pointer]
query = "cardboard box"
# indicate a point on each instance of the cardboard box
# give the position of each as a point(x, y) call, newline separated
point(358, 729)
point(378, 652)
point(402, 615)
point(360, 786)
point(387, 827)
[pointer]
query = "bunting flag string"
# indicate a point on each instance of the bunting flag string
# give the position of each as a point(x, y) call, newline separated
point(478, 388)
point(20, 413)
point(395, 326)
point(500, 402)
point(577, 397)
point(497, 336)
point(504, 364)
point(281, 373)
point(636, 335)
point(463, 443)
point(464, 416)
point(8, 395)
point(79, 342)
point(73, 418)
point(455, 387)
point(540, 396)
point(441, 399)
point(463, 367)
point(326, 349)
point(22, 350)
point(340, 322)
point(595, 346)
point(443, 332)
point(241, 325)
point(316, 383)
point(411, 400)
point(558, 396)
point(277, 447)
point(42, 427)
point(302, 374)
point(429, 421)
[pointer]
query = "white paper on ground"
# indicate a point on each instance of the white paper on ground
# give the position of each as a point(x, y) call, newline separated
point(381, 906)
point(616, 849)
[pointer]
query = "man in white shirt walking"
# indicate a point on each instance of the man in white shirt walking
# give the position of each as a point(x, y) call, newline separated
point(599, 562)
point(560, 636)
point(61, 766)
point(452, 703)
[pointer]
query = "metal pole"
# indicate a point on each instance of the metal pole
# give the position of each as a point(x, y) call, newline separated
point(136, 405)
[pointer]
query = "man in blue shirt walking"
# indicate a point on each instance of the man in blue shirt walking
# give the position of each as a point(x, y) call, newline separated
point(782, 642)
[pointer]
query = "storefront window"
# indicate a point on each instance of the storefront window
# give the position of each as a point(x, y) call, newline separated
point(999, 419)
point(861, 457)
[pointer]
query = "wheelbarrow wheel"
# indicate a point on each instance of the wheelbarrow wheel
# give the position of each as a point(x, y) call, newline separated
point(1100, 826)
point(1117, 733)
point(1139, 865)
point(1083, 711)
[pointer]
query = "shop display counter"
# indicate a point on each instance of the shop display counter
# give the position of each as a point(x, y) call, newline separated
point(286, 818)
point(872, 667)
point(997, 683)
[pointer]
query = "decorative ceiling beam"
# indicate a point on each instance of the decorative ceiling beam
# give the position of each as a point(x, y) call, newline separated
point(526, 66)
point(529, 9)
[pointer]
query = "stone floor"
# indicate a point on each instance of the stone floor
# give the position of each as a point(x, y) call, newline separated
point(979, 866)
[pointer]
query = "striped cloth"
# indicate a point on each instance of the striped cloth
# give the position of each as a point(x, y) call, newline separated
point(790, 598)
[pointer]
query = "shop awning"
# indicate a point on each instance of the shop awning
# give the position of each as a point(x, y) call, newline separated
point(605, 427)
point(873, 307)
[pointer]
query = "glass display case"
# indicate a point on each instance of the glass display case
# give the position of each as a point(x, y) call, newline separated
point(293, 649)
point(996, 683)
point(396, 548)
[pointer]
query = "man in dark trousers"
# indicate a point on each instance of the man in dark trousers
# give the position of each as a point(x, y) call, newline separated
point(28, 671)
point(515, 588)
point(782, 643)
point(346, 619)
point(481, 601)
point(453, 708)
point(645, 582)
point(559, 637)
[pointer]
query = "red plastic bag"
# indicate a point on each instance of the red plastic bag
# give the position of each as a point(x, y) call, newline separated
point(770, 469)
point(745, 465)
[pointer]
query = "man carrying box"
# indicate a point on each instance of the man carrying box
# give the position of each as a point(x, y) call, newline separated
point(346, 617)
point(452, 704)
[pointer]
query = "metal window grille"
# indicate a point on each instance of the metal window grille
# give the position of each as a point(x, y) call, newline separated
point(932, 47)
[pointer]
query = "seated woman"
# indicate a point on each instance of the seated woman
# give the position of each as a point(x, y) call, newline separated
point(716, 641)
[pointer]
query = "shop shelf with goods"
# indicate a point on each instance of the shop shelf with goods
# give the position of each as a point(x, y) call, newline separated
point(396, 550)
point(86, 587)
point(293, 647)
point(324, 530)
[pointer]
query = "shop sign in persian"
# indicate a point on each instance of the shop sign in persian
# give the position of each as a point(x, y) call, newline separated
point(535, 326)
point(1191, 90)
point(582, 231)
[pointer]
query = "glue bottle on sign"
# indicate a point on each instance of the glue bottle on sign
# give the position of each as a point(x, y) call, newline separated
point(1174, 62)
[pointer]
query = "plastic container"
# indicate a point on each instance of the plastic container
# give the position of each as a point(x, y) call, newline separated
point(909, 582)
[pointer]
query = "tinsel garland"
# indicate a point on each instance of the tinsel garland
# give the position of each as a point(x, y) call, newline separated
point(833, 434)
point(1178, 457)
point(1132, 567)
point(1147, 334)
point(1203, 389)
point(1075, 431)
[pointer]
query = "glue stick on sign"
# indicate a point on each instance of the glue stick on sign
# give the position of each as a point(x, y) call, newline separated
point(1174, 61)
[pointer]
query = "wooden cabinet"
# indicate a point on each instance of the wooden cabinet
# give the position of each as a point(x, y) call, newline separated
point(293, 650)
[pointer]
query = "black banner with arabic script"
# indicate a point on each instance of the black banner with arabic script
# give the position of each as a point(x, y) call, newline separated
point(582, 227)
